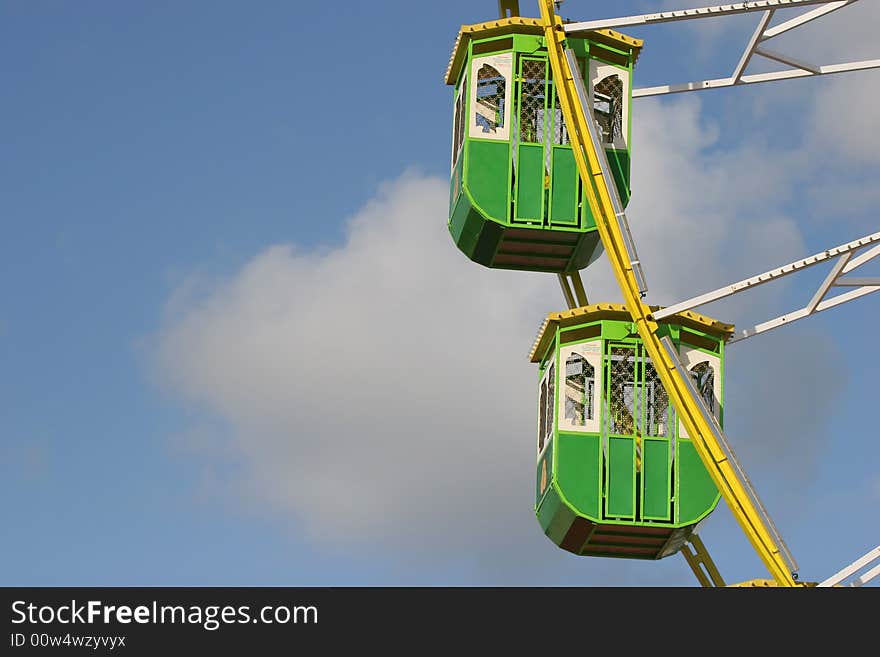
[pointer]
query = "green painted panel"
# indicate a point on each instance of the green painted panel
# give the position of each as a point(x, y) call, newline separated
point(530, 183)
point(486, 177)
point(455, 185)
point(588, 250)
point(697, 494)
point(615, 330)
point(544, 472)
point(476, 236)
point(618, 160)
point(555, 517)
point(564, 188)
point(621, 494)
point(527, 43)
point(655, 479)
point(579, 471)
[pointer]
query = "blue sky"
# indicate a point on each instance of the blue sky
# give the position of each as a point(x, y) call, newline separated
point(205, 204)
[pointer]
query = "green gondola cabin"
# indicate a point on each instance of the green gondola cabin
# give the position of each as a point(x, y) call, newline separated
point(617, 475)
point(516, 199)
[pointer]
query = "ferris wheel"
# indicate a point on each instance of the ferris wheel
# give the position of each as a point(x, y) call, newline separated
point(631, 451)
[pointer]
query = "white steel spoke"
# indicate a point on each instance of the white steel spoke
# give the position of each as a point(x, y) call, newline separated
point(859, 260)
point(689, 14)
point(840, 578)
point(718, 83)
point(789, 61)
point(833, 275)
point(782, 320)
point(805, 18)
point(847, 260)
point(797, 67)
point(753, 43)
point(779, 272)
point(853, 281)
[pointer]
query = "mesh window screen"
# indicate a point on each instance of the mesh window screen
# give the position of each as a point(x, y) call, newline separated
point(531, 103)
point(489, 110)
point(608, 108)
point(579, 383)
point(622, 407)
point(704, 378)
point(656, 403)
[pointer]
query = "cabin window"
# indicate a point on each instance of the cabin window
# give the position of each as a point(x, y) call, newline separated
point(656, 403)
point(542, 410)
point(622, 405)
point(551, 384)
point(490, 97)
point(458, 122)
point(560, 130)
point(489, 110)
point(704, 379)
point(609, 89)
point(608, 108)
point(531, 101)
point(705, 372)
point(580, 382)
point(545, 408)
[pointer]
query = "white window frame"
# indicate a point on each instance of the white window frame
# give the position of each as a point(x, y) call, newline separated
point(459, 95)
point(600, 70)
point(592, 353)
point(690, 356)
point(503, 63)
point(545, 378)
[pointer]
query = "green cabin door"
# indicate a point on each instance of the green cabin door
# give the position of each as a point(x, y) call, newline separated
point(565, 182)
point(529, 169)
point(638, 431)
point(546, 184)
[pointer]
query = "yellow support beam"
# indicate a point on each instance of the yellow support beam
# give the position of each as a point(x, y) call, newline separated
point(701, 563)
point(688, 408)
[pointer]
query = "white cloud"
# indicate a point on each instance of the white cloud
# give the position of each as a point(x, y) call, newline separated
point(378, 392)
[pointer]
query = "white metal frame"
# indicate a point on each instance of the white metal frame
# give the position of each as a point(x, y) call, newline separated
point(840, 578)
point(796, 68)
point(867, 248)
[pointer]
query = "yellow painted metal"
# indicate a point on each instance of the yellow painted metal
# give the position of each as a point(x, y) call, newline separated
point(525, 25)
point(711, 453)
point(618, 311)
point(508, 8)
point(579, 292)
point(707, 574)
point(767, 583)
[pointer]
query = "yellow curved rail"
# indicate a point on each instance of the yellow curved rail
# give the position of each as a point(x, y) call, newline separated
point(689, 411)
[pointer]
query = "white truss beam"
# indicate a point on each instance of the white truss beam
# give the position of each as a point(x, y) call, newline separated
point(788, 318)
point(805, 18)
point(788, 60)
point(859, 260)
point(752, 45)
point(689, 14)
point(853, 281)
point(820, 301)
point(779, 272)
point(796, 67)
point(840, 578)
point(787, 74)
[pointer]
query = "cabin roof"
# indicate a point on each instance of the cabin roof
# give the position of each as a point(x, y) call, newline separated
point(523, 25)
point(618, 311)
